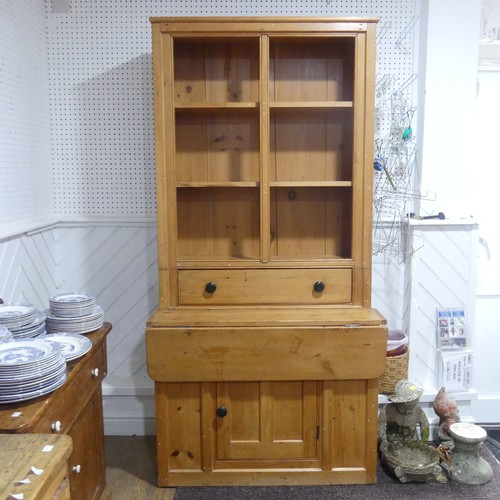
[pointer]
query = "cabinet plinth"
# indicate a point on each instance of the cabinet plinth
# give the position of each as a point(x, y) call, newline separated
point(265, 352)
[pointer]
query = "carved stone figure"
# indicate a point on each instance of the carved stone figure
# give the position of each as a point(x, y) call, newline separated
point(446, 409)
point(403, 431)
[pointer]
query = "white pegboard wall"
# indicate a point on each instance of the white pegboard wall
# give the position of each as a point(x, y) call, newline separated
point(25, 166)
point(100, 81)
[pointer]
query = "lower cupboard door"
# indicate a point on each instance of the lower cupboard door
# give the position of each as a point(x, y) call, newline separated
point(267, 420)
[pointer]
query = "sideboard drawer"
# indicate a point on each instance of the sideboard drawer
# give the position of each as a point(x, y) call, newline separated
point(75, 393)
point(270, 286)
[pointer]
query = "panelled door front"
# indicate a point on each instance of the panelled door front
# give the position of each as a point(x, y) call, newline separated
point(267, 420)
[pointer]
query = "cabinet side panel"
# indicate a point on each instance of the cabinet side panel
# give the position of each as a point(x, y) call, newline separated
point(349, 424)
point(368, 148)
point(88, 451)
point(178, 427)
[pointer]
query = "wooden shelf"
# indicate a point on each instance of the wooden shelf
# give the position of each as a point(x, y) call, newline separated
point(311, 105)
point(217, 106)
point(216, 184)
point(311, 184)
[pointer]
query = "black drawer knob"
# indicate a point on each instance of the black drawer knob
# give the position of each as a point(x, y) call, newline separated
point(210, 287)
point(221, 411)
point(318, 286)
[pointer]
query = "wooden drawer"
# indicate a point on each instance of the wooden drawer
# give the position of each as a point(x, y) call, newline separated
point(75, 393)
point(265, 286)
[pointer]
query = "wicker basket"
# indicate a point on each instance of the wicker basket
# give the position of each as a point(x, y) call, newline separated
point(396, 368)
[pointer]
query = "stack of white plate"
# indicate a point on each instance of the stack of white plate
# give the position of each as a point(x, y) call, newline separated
point(34, 329)
point(73, 345)
point(30, 368)
point(17, 315)
point(23, 320)
point(71, 305)
point(5, 334)
point(73, 313)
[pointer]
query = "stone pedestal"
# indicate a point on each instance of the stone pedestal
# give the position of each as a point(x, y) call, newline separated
point(467, 466)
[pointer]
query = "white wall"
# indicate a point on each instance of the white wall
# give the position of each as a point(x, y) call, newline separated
point(25, 167)
point(447, 103)
point(487, 204)
point(458, 157)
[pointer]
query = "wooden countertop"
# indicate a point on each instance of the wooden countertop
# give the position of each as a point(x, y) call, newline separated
point(18, 453)
point(17, 417)
point(267, 316)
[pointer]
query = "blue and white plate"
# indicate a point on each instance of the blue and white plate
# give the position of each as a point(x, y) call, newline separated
point(73, 345)
point(5, 334)
point(25, 352)
point(33, 383)
point(81, 324)
point(23, 395)
point(71, 305)
point(17, 315)
point(34, 329)
point(30, 368)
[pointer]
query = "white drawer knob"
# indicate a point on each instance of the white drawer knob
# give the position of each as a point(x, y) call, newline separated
point(95, 372)
point(57, 426)
point(77, 469)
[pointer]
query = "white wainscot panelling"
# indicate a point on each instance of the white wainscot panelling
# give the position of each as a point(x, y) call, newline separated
point(441, 273)
point(130, 414)
point(28, 265)
point(118, 264)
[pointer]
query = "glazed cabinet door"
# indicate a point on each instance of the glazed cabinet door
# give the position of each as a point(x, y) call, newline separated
point(267, 420)
point(261, 157)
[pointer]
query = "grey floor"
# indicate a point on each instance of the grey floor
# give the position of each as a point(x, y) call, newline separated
point(493, 441)
point(131, 467)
